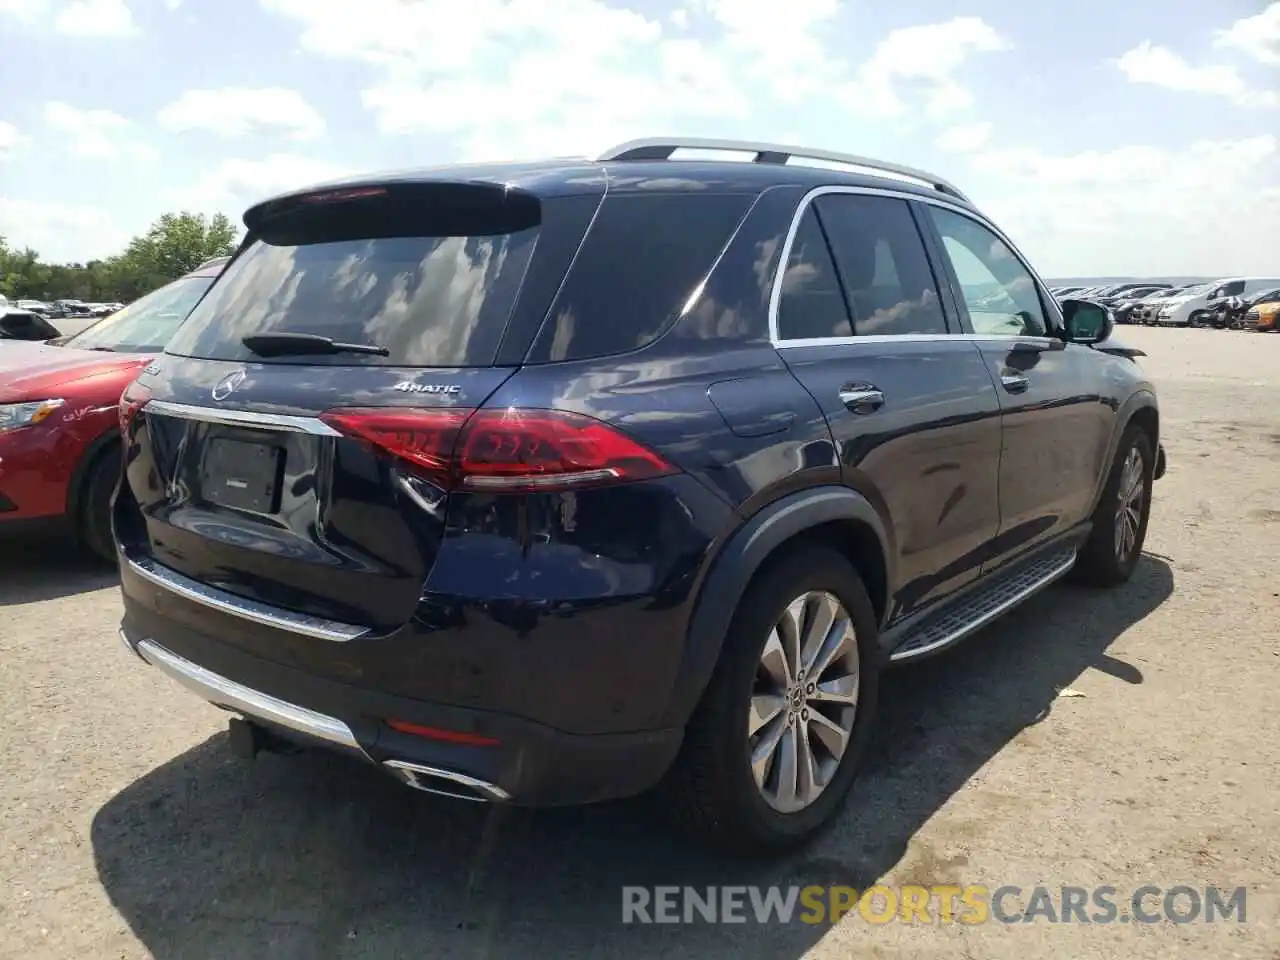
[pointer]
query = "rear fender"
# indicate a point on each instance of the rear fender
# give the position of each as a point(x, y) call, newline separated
point(737, 562)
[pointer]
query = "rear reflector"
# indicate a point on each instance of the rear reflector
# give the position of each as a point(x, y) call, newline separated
point(133, 399)
point(511, 450)
point(445, 736)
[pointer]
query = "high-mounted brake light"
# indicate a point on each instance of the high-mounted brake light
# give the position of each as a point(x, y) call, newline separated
point(511, 450)
point(133, 399)
point(336, 196)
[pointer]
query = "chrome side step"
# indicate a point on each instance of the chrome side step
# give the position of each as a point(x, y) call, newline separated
point(1005, 591)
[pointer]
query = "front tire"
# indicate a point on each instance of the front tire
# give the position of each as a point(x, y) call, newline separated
point(774, 745)
point(1114, 547)
point(95, 505)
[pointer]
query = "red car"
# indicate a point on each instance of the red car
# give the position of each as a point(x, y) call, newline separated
point(59, 449)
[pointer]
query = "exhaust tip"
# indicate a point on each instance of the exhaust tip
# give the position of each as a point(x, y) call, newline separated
point(445, 783)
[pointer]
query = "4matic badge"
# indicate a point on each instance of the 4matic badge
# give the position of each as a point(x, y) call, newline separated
point(408, 386)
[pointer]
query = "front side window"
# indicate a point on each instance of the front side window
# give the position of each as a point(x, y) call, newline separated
point(882, 261)
point(146, 325)
point(997, 289)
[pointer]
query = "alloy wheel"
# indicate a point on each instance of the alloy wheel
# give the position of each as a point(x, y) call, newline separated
point(1129, 507)
point(804, 701)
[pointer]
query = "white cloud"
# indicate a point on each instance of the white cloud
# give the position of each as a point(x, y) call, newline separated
point(236, 184)
point(60, 232)
point(513, 78)
point(1148, 63)
point(1115, 211)
point(96, 133)
point(965, 137)
point(96, 18)
point(1258, 36)
point(238, 111)
point(10, 140)
point(23, 9)
point(922, 62)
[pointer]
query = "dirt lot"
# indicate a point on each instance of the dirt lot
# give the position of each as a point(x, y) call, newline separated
point(126, 830)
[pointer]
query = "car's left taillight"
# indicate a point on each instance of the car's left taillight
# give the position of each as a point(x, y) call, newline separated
point(509, 450)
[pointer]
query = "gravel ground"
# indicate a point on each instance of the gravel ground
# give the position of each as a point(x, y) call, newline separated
point(127, 830)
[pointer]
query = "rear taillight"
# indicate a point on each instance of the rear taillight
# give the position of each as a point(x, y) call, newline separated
point(511, 450)
point(133, 399)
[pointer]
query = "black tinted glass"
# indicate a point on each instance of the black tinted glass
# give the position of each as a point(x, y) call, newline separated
point(642, 259)
point(884, 266)
point(430, 301)
point(811, 304)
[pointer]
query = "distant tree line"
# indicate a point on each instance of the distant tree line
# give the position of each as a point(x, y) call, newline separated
point(173, 245)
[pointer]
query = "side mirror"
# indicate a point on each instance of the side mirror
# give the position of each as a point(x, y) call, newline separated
point(1087, 322)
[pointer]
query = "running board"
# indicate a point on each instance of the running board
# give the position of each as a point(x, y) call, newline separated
point(976, 609)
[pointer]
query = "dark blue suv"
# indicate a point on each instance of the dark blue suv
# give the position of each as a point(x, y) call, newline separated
point(551, 483)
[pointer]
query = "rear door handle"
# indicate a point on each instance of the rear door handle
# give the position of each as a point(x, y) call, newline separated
point(1014, 382)
point(861, 398)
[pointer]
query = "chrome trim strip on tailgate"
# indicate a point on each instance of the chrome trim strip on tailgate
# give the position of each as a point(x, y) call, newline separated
point(242, 418)
point(245, 609)
point(222, 692)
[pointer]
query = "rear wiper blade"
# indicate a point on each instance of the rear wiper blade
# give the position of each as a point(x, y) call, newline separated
point(302, 344)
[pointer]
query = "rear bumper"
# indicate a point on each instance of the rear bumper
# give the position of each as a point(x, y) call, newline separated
point(529, 764)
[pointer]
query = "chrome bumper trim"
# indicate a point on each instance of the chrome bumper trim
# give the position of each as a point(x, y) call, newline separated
point(254, 704)
point(261, 613)
point(242, 418)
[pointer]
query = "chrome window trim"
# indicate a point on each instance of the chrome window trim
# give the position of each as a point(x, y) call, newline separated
point(775, 293)
point(242, 418)
point(882, 338)
point(259, 613)
point(222, 692)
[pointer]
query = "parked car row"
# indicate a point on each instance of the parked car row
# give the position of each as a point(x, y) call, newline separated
point(1236, 303)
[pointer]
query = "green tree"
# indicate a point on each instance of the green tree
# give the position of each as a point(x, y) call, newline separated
point(174, 245)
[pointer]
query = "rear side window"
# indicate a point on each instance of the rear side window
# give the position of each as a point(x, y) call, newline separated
point(811, 304)
point(432, 293)
point(883, 264)
point(643, 257)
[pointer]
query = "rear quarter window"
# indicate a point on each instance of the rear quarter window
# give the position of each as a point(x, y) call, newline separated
point(643, 257)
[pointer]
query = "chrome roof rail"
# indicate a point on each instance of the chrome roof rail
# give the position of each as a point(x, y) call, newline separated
point(661, 148)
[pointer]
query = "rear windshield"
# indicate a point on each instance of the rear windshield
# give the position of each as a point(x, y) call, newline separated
point(428, 300)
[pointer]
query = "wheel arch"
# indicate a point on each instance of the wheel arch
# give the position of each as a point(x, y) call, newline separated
point(1140, 409)
point(80, 475)
point(834, 516)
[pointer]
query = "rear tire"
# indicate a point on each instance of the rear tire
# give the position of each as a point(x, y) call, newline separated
point(713, 790)
point(1114, 547)
point(95, 504)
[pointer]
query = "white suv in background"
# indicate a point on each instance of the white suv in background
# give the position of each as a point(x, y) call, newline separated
point(1192, 308)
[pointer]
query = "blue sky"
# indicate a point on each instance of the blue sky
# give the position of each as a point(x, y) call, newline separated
point(1106, 138)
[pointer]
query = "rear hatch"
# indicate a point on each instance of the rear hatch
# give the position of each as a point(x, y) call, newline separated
point(283, 448)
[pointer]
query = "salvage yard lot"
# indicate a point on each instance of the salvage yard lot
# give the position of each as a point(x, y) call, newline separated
point(127, 830)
